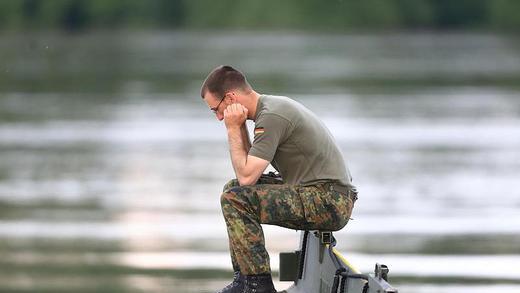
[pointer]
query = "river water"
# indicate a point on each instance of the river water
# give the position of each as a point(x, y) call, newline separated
point(111, 165)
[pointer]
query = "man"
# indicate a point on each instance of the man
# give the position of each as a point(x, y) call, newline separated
point(316, 192)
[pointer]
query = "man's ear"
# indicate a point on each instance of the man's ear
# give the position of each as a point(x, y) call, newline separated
point(230, 98)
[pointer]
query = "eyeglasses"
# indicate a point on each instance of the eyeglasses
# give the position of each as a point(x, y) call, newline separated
point(215, 109)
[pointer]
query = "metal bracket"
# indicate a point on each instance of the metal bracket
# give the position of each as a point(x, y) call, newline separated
point(325, 238)
point(381, 271)
point(379, 282)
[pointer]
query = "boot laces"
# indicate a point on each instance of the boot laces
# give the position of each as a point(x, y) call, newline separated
point(254, 284)
point(233, 284)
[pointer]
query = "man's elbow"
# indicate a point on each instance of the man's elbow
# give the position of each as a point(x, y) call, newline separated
point(247, 180)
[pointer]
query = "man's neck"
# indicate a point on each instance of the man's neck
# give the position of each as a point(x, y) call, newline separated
point(253, 103)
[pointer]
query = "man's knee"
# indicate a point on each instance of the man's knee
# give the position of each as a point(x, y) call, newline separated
point(230, 196)
point(225, 198)
point(231, 183)
point(235, 199)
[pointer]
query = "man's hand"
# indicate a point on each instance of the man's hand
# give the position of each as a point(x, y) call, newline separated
point(235, 115)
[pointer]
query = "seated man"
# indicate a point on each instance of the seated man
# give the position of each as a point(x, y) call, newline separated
point(316, 192)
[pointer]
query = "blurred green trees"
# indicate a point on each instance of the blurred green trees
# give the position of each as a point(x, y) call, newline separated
point(334, 15)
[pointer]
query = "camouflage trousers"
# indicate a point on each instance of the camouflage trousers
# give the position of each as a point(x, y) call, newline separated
point(314, 207)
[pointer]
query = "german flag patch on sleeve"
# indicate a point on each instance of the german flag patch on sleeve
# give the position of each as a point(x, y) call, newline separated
point(259, 131)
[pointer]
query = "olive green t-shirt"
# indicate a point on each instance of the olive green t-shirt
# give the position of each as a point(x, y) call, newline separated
point(296, 142)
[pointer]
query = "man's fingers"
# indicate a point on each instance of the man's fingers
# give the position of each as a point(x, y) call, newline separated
point(235, 109)
point(242, 108)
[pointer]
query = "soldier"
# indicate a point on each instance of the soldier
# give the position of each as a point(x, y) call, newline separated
point(313, 191)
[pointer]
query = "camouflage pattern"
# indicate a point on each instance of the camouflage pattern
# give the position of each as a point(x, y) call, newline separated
point(314, 207)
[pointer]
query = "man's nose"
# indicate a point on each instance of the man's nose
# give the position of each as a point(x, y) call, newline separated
point(220, 117)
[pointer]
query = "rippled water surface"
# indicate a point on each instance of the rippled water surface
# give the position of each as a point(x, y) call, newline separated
point(111, 165)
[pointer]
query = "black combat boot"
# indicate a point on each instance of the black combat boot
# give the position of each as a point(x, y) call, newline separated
point(237, 286)
point(258, 284)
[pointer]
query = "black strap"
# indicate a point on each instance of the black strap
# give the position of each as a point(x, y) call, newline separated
point(342, 285)
point(302, 254)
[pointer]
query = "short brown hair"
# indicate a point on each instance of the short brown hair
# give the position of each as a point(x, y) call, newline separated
point(222, 79)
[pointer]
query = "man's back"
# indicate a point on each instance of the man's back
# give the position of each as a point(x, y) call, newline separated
point(296, 142)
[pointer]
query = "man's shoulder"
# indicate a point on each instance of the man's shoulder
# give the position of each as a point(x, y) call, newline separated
point(282, 106)
point(278, 98)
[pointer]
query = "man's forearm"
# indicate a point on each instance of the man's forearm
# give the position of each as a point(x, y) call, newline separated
point(237, 149)
point(247, 168)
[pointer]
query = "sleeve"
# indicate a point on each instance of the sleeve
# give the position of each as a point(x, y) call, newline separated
point(270, 131)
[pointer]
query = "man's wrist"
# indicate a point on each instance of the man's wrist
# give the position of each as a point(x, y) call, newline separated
point(234, 128)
